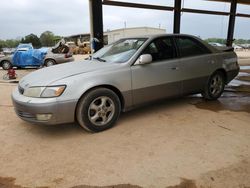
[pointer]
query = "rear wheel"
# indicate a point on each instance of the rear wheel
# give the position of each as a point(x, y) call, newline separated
point(6, 65)
point(98, 110)
point(215, 86)
point(49, 62)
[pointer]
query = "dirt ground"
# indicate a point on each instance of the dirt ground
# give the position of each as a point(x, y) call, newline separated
point(182, 143)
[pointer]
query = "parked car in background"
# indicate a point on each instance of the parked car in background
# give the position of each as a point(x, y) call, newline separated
point(245, 46)
point(237, 47)
point(58, 54)
point(216, 44)
point(1, 54)
point(26, 56)
point(121, 76)
point(8, 51)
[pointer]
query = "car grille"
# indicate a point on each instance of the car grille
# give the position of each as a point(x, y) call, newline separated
point(25, 114)
point(20, 89)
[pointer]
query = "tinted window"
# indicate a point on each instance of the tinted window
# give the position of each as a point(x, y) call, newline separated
point(190, 47)
point(161, 49)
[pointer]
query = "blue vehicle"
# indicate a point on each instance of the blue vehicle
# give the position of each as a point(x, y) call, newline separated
point(24, 55)
point(24, 47)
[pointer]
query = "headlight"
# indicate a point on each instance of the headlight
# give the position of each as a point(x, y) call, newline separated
point(33, 91)
point(53, 91)
point(44, 92)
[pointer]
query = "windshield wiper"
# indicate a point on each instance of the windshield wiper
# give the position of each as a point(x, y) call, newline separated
point(99, 59)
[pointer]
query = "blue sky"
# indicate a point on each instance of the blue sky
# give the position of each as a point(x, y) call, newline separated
point(22, 17)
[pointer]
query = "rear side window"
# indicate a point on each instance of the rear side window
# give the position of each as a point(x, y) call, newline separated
point(190, 47)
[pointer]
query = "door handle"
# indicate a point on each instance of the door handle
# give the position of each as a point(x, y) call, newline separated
point(211, 61)
point(175, 68)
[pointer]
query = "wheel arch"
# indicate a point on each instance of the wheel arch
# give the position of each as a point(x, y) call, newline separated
point(223, 71)
point(107, 86)
point(1, 62)
point(5, 60)
point(45, 60)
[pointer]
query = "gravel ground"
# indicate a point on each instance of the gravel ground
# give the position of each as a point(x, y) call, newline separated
point(184, 143)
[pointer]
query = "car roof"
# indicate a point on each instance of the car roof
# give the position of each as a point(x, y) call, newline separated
point(153, 36)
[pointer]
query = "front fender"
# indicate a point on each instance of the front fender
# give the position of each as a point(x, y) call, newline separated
point(78, 85)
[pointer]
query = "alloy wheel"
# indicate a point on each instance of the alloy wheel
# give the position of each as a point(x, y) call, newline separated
point(216, 85)
point(101, 111)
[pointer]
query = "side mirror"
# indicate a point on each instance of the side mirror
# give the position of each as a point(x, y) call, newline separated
point(144, 59)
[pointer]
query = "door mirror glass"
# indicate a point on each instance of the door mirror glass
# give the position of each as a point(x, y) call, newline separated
point(144, 59)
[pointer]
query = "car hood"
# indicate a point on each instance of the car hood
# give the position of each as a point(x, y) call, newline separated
point(6, 57)
point(46, 76)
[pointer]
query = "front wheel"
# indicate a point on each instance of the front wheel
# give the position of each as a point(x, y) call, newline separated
point(215, 86)
point(98, 110)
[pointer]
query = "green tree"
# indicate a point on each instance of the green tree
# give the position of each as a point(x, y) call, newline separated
point(32, 38)
point(2, 44)
point(240, 41)
point(57, 39)
point(47, 38)
point(11, 43)
point(1, 47)
point(218, 40)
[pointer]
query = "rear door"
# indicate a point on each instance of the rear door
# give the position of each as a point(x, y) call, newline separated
point(159, 79)
point(196, 61)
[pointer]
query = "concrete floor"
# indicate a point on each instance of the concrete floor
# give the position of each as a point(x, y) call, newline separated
point(184, 143)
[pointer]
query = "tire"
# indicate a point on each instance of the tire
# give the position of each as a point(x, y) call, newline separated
point(215, 86)
point(98, 110)
point(50, 62)
point(6, 65)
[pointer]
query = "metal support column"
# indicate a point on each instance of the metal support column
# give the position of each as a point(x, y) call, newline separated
point(96, 23)
point(230, 33)
point(177, 16)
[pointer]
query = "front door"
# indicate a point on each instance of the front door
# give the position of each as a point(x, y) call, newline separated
point(159, 79)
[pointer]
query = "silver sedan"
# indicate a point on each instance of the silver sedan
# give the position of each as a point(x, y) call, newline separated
point(57, 58)
point(128, 73)
point(6, 62)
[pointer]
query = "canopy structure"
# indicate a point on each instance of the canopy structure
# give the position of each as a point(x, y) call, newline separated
point(246, 2)
point(96, 17)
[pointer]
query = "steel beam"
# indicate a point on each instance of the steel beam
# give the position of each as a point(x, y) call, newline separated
point(96, 22)
point(243, 15)
point(230, 32)
point(137, 5)
point(177, 16)
point(244, 2)
point(205, 12)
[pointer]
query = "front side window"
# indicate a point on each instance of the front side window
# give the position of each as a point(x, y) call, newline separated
point(161, 49)
point(120, 51)
point(190, 47)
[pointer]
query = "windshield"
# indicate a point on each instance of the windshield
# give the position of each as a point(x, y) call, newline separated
point(120, 51)
point(24, 47)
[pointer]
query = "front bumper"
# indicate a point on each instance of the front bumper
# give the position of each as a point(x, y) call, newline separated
point(27, 109)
